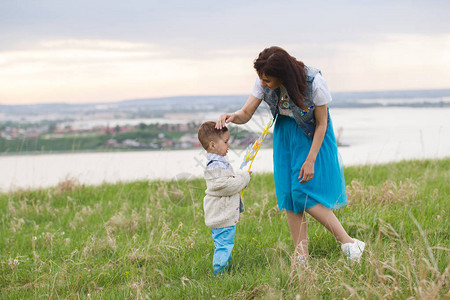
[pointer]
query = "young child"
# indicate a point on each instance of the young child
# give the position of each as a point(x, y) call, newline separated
point(222, 203)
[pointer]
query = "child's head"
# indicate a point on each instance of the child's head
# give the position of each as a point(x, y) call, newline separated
point(212, 139)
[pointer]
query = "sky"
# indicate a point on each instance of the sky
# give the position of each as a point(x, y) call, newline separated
point(105, 51)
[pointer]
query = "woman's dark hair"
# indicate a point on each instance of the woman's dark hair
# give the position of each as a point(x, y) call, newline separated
point(276, 62)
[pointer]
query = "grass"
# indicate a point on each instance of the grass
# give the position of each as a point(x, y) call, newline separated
point(147, 240)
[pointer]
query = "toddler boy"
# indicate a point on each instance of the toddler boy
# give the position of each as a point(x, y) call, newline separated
point(222, 203)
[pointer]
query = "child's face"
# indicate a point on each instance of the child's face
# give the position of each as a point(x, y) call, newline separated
point(220, 146)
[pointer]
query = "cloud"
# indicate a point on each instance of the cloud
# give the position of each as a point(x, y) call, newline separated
point(390, 62)
point(105, 70)
point(87, 69)
point(211, 23)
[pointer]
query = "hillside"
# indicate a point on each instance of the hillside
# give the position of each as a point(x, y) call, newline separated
point(148, 240)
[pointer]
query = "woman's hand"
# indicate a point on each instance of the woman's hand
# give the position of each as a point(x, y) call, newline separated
point(224, 119)
point(307, 171)
point(241, 116)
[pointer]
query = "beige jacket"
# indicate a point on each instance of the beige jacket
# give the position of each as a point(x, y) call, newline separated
point(221, 203)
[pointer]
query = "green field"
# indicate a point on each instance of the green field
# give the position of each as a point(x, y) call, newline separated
point(147, 240)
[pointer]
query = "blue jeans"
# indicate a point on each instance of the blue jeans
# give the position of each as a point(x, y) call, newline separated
point(223, 245)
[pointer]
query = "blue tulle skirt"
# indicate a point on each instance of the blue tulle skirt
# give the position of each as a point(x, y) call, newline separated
point(290, 149)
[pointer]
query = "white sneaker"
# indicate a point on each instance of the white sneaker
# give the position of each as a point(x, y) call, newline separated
point(298, 263)
point(353, 251)
point(301, 260)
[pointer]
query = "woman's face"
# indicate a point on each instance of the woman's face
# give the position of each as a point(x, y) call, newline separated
point(270, 81)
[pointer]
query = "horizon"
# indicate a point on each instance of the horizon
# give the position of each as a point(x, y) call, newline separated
point(224, 95)
point(52, 50)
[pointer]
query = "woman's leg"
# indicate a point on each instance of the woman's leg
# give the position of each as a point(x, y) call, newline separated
point(328, 219)
point(298, 227)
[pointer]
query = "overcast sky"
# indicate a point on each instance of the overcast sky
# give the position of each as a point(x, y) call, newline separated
point(98, 51)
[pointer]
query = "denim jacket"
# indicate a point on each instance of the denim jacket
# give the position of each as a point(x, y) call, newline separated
point(306, 122)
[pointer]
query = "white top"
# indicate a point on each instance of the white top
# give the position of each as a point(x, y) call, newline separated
point(321, 94)
point(283, 104)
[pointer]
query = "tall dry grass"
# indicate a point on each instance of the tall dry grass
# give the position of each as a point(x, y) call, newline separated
point(147, 240)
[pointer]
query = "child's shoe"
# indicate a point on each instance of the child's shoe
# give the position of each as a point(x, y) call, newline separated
point(219, 269)
point(353, 251)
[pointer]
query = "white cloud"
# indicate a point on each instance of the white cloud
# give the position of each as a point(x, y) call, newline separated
point(79, 71)
point(407, 61)
point(95, 44)
point(107, 70)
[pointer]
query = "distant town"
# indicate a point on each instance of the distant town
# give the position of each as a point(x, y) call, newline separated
point(157, 124)
point(54, 137)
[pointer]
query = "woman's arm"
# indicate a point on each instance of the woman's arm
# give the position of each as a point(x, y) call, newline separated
point(307, 170)
point(241, 116)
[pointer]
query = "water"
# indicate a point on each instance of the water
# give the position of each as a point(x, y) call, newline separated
point(373, 135)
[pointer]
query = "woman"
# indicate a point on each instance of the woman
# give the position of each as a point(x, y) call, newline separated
point(308, 171)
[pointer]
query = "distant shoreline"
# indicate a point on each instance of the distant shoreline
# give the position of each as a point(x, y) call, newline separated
point(375, 136)
point(338, 96)
point(74, 181)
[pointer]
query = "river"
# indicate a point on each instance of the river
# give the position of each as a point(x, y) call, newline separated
point(371, 136)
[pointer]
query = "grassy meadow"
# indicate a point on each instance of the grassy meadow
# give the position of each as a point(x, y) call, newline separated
point(147, 240)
